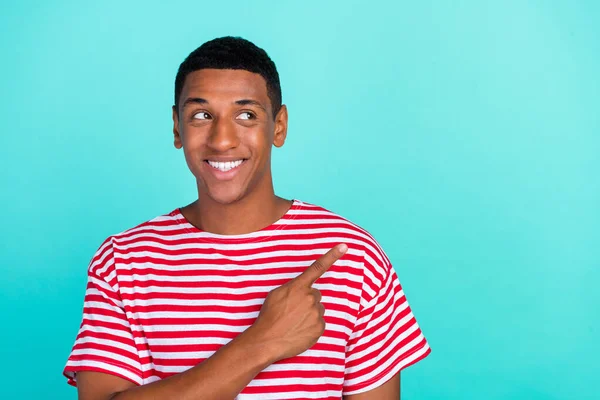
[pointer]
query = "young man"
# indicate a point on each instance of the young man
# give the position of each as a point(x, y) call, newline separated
point(241, 294)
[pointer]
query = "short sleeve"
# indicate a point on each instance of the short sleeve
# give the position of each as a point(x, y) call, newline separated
point(105, 342)
point(386, 337)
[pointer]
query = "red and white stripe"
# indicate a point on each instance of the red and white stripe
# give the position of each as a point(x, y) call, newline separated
point(164, 296)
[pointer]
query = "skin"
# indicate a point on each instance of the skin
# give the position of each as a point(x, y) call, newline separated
point(234, 120)
point(222, 128)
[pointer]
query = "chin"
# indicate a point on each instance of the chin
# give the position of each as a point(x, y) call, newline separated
point(225, 197)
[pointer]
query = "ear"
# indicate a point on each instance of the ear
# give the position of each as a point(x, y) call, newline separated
point(178, 143)
point(281, 124)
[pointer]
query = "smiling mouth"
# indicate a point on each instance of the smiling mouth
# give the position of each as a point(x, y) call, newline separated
point(226, 165)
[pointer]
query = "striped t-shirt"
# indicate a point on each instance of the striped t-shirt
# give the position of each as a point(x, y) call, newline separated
point(164, 296)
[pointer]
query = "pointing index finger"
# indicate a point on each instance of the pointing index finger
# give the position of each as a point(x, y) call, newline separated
point(321, 265)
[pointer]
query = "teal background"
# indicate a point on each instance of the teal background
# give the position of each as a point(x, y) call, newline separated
point(465, 135)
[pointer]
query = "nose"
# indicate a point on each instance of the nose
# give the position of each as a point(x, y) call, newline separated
point(223, 135)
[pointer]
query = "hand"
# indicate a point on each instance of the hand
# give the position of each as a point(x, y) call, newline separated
point(291, 318)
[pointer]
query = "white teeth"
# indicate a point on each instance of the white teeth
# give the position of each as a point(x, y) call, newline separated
point(225, 166)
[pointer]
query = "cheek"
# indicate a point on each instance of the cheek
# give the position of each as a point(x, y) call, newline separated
point(193, 143)
point(261, 139)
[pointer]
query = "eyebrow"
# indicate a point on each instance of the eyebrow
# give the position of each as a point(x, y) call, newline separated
point(194, 100)
point(250, 102)
point(242, 102)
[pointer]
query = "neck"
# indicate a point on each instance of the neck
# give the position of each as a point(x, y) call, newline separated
point(255, 211)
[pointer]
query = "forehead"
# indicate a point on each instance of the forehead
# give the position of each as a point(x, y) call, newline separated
point(225, 83)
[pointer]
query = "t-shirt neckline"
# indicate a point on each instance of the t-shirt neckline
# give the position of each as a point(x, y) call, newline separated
point(256, 236)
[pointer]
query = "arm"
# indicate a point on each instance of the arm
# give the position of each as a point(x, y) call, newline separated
point(388, 391)
point(222, 376)
point(290, 321)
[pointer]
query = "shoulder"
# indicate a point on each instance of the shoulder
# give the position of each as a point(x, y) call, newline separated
point(323, 218)
point(166, 224)
point(156, 228)
point(376, 262)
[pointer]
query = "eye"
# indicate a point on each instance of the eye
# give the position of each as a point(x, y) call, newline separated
point(202, 115)
point(246, 115)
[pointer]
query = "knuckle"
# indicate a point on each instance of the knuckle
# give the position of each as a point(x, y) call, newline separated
point(275, 292)
point(322, 326)
point(317, 314)
point(316, 294)
point(318, 265)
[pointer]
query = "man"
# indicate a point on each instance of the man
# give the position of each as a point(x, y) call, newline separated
point(240, 294)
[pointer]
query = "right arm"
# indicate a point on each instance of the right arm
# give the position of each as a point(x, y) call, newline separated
point(221, 376)
point(290, 321)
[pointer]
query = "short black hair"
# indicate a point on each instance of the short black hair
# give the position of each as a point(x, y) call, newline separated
point(231, 52)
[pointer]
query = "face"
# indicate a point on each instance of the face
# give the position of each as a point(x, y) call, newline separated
point(226, 129)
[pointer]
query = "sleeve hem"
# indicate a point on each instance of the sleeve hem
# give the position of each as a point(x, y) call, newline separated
point(69, 373)
point(393, 369)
